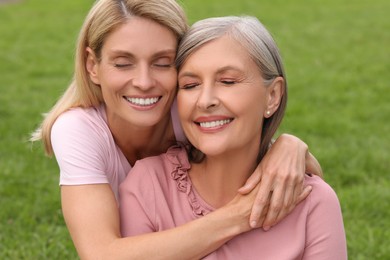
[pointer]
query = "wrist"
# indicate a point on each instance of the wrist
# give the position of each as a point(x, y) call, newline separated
point(235, 216)
point(297, 144)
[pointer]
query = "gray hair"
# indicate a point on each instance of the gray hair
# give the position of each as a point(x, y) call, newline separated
point(261, 47)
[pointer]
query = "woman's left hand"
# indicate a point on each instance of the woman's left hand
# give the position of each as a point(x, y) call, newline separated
point(280, 176)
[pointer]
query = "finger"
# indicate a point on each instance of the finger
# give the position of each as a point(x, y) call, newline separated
point(306, 191)
point(262, 217)
point(261, 200)
point(276, 205)
point(290, 195)
point(290, 201)
point(297, 192)
point(252, 181)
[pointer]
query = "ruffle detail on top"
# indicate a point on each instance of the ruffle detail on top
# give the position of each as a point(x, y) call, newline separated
point(177, 155)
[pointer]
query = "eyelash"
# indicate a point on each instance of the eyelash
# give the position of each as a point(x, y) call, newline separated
point(189, 86)
point(122, 65)
point(192, 85)
point(228, 82)
point(155, 65)
point(163, 65)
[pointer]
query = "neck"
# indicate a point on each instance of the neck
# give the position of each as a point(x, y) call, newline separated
point(139, 142)
point(217, 179)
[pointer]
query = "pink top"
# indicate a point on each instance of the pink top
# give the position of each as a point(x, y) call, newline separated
point(158, 195)
point(86, 151)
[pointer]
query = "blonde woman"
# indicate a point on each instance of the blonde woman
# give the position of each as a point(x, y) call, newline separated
point(120, 108)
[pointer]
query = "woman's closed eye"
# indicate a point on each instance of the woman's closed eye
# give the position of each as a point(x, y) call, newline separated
point(122, 62)
point(188, 85)
point(163, 65)
point(228, 81)
point(188, 81)
point(122, 65)
point(163, 62)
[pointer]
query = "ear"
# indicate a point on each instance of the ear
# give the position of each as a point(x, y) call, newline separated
point(92, 66)
point(275, 93)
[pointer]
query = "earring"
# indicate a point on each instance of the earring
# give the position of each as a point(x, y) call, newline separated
point(268, 113)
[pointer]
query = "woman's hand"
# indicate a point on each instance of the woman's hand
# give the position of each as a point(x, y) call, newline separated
point(280, 178)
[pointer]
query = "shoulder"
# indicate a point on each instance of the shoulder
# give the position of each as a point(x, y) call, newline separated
point(81, 124)
point(325, 235)
point(175, 156)
point(320, 187)
point(81, 135)
point(81, 117)
point(322, 193)
point(160, 169)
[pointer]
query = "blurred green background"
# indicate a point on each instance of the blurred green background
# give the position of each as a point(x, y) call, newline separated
point(336, 54)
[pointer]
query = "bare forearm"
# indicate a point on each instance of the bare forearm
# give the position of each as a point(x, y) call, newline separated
point(193, 240)
point(92, 218)
point(190, 241)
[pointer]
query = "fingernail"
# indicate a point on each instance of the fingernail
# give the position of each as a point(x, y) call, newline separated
point(253, 224)
point(266, 228)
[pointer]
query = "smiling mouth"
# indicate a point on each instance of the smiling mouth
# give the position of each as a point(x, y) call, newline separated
point(216, 123)
point(142, 101)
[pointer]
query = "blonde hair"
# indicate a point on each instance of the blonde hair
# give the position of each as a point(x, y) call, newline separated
point(258, 42)
point(104, 17)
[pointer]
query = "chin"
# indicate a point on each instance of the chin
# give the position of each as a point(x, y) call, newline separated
point(145, 121)
point(211, 151)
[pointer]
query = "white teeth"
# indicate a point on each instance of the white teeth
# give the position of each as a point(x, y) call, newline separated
point(142, 101)
point(215, 123)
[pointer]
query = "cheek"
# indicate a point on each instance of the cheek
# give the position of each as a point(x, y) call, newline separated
point(111, 80)
point(256, 114)
point(186, 105)
point(250, 105)
point(169, 81)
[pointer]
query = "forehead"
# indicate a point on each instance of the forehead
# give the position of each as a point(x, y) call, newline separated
point(141, 32)
point(221, 52)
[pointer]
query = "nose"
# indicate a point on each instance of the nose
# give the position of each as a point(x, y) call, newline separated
point(208, 97)
point(143, 78)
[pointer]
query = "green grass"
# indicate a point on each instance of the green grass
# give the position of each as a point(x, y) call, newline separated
point(337, 61)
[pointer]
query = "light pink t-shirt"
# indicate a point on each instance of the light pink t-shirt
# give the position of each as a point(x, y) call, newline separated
point(86, 151)
point(158, 195)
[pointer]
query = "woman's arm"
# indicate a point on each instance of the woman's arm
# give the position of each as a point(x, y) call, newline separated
point(280, 177)
point(92, 217)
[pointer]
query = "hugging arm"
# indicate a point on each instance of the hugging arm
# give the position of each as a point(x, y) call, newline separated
point(280, 178)
point(92, 217)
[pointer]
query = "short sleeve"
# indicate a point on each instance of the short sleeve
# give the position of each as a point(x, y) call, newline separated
point(325, 229)
point(78, 150)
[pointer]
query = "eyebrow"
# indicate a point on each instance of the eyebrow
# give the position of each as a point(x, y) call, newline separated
point(157, 54)
point(187, 74)
point(228, 67)
point(219, 71)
